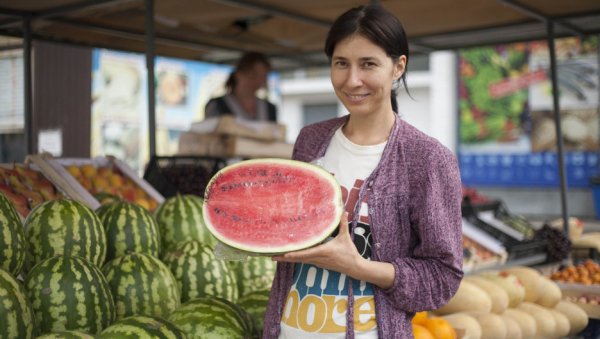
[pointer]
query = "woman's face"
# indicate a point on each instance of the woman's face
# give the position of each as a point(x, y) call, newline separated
point(362, 75)
point(254, 78)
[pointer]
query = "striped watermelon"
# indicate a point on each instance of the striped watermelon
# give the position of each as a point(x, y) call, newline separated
point(65, 227)
point(142, 285)
point(69, 293)
point(254, 273)
point(255, 304)
point(199, 273)
point(213, 317)
point(12, 238)
point(180, 219)
point(145, 327)
point(16, 314)
point(129, 228)
point(66, 335)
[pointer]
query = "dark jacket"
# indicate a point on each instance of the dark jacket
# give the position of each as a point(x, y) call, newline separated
point(218, 107)
point(415, 211)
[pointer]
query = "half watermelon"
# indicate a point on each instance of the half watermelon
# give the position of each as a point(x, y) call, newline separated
point(270, 206)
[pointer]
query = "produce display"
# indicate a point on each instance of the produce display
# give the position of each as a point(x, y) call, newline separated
point(532, 306)
point(272, 205)
point(586, 273)
point(68, 271)
point(108, 179)
point(26, 188)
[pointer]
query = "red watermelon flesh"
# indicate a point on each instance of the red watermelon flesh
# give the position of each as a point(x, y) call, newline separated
point(272, 205)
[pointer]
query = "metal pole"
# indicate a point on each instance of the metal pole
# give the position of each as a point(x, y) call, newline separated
point(27, 104)
point(556, 109)
point(151, 80)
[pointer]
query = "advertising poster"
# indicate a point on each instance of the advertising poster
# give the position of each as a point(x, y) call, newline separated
point(120, 105)
point(507, 134)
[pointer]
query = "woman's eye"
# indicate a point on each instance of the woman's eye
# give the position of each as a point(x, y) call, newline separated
point(369, 64)
point(340, 63)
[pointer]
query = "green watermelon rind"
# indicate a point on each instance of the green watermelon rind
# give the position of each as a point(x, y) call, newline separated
point(141, 326)
point(199, 273)
point(69, 293)
point(13, 246)
point(16, 313)
point(315, 240)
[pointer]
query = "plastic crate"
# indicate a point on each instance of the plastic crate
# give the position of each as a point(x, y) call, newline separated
point(171, 175)
point(506, 240)
point(526, 249)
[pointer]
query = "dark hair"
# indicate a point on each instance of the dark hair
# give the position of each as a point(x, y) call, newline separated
point(377, 25)
point(246, 62)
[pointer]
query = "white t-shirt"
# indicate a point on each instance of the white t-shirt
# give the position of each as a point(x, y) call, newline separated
point(317, 302)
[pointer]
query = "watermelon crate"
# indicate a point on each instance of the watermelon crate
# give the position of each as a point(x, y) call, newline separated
point(105, 178)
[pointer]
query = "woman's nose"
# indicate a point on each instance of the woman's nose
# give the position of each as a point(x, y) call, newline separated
point(354, 77)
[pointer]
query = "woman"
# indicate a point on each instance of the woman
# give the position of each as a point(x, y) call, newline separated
point(398, 249)
point(249, 76)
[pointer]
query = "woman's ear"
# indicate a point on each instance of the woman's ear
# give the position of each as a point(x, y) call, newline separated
point(400, 67)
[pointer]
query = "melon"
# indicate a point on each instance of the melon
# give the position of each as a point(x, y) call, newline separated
point(497, 294)
point(513, 329)
point(531, 280)
point(492, 326)
point(525, 320)
point(141, 326)
point(66, 335)
point(551, 294)
point(12, 238)
point(270, 206)
point(510, 284)
point(465, 324)
point(563, 326)
point(468, 298)
point(578, 318)
point(16, 314)
point(546, 325)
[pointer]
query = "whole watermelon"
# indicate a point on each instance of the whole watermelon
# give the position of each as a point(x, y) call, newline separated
point(254, 273)
point(199, 273)
point(69, 293)
point(65, 227)
point(142, 285)
point(66, 335)
point(213, 317)
point(16, 314)
point(140, 326)
point(12, 238)
point(180, 219)
point(255, 304)
point(129, 228)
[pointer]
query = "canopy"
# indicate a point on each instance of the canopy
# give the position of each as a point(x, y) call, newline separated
point(291, 32)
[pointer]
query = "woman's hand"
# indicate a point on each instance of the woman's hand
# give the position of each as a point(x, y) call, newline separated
point(340, 255)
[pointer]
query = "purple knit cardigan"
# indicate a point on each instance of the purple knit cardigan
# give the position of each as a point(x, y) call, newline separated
point(415, 218)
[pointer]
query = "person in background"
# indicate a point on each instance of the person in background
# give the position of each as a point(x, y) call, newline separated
point(249, 75)
point(398, 248)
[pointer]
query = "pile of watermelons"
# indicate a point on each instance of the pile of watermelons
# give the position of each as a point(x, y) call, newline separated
point(69, 271)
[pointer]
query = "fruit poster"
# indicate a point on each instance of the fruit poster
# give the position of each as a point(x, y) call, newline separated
point(507, 134)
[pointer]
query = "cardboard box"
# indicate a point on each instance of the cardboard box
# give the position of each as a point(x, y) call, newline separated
point(227, 146)
point(585, 296)
point(229, 125)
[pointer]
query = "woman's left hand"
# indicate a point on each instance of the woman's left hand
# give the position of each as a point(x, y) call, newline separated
point(339, 254)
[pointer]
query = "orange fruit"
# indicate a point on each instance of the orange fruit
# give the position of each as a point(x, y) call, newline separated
point(440, 328)
point(421, 332)
point(420, 318)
